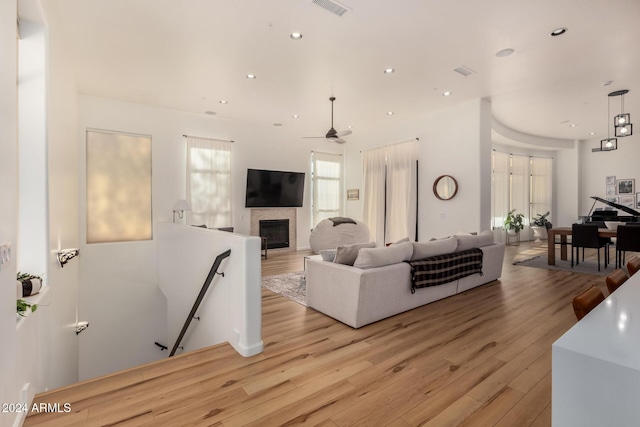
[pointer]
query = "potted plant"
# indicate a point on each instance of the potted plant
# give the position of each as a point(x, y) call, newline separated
point(22, 307)
point(28, 284)
point(513, 222)
point(540, 226)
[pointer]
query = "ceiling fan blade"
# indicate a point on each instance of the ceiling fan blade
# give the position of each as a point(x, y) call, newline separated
point(338, 140)
point(344, 133)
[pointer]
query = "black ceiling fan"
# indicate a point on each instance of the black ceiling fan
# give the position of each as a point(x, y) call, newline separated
point(333, 135)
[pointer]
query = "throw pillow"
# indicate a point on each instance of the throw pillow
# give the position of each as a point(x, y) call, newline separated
point(422, 250)
point(328, 254)
point(379, 257)
point(347, 254)
point(469, 241)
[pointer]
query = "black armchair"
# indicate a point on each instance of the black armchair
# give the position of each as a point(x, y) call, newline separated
point(586, 236)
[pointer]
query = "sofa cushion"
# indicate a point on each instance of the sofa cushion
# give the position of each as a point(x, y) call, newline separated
point(422, 250)
point(379, 257)
point(467, 241)
point(347, 254)
point(328, 254)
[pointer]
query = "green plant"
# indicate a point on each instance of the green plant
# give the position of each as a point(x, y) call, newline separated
point(27, 276)
point(542, 221)
point(23, 307)
point(514, 221)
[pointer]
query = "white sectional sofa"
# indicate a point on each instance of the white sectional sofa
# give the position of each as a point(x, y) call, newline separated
point(359, 296)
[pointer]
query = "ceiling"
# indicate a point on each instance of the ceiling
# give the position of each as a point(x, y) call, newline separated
point(190, 55)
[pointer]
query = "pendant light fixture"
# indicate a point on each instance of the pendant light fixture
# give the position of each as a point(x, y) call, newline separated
point(608, 144)
point(622, 122)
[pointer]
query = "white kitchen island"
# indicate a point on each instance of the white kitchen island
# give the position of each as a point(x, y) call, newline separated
point(596, 365)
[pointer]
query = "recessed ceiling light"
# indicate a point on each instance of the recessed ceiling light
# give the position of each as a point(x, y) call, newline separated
point(349, 127)
point(222, 101)
point(592, 133)
point(211, 113)
point(295, 36)
point(558, 32)
point(446, 93)
point(572, 125)
point(389, 70)
point(295, 116)
point(277, 124)
point(504, 52)
point(390, 113)
point(251, 76)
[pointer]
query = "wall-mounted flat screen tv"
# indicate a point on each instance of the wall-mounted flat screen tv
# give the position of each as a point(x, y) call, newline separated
point(274, 189)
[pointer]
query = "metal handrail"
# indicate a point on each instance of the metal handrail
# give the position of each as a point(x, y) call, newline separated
point(203, 291)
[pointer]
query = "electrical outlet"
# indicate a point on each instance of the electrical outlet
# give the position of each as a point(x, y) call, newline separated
point(5, 254)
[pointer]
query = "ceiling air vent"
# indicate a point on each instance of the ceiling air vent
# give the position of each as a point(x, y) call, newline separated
point(465, 71)
point(331, 6)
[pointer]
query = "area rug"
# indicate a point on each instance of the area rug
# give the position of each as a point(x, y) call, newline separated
point(289, 285)
point(585, 267)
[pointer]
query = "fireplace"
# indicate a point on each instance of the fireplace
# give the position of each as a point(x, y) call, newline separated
point(276, 232)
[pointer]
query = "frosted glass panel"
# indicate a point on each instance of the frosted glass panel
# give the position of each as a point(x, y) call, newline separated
point(118, 187)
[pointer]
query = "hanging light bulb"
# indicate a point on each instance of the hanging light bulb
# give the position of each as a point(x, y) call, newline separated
point(622, 122)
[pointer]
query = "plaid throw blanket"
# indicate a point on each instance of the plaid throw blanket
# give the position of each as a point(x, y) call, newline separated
point(441, 269)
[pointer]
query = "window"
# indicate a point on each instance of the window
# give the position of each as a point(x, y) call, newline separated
point(118, 187)
point(326, 188)
point(209, 181)
point(520, 182)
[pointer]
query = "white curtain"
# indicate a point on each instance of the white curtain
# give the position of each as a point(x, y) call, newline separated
point(327, 186)
point(209, 182)
point(500, 188)
point(519, 199)
point(541, 186)
point(374, 193)
point(401, 191)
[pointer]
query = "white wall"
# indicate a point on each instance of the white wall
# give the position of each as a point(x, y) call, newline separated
point(9, 391)
point(567, 183)
point(63, 171)
point(595, 167)
point(455, 141)
point(118, 292)
point(231, 310)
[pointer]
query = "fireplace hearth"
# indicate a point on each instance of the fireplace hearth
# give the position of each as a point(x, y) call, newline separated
point(276, 231)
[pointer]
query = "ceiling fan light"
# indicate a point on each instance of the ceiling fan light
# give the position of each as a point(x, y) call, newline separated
point(609, 144)
point(624, 130)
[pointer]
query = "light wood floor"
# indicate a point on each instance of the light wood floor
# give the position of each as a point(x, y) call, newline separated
point(481, 358)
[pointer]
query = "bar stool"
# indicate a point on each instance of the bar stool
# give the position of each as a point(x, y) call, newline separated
point(587, 301)
point(616, 279)
point(633, 265)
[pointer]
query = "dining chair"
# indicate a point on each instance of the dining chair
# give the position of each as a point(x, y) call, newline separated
point(616, 279)
point(633, 265)
point(587, 301)
point(586, 236)
point(628, 239)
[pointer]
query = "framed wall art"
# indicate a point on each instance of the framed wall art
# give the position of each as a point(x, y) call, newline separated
point(611, 180)
point(628, 201)
point(353, 194)
point(626, 186)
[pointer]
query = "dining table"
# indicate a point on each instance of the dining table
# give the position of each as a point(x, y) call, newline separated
point(564, 232)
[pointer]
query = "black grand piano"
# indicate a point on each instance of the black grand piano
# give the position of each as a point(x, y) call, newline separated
point(600, 215)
